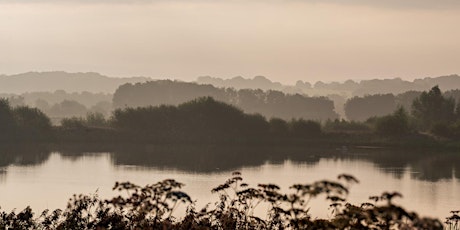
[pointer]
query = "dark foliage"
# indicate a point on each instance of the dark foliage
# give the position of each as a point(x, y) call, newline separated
point(7, 122)
point(302, 128)
point(432, 107)
point(344, 126)
point(395, 124)
point(23, 123)
point(152, 206)
point(205, 119)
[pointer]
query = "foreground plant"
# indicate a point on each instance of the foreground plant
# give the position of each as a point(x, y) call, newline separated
point(152, 207)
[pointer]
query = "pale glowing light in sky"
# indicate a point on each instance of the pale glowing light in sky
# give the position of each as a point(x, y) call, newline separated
point(282, 40)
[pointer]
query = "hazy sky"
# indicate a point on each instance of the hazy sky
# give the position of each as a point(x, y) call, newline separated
point(283, 40)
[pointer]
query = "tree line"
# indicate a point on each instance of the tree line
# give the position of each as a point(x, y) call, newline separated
point(23, 123)
point(430, 112)
point(202, 119)
point(267, 103)
point(362, 108)
point(208, 119)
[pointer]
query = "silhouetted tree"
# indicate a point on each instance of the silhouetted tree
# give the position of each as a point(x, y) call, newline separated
point(96, 120)
point(394, 124)
point(431, 107)
point(32, 123)
point(200, 119)
point(73, 123)
point(303, 128)
point(345, 126)
point(279, 127)
point(7, 122)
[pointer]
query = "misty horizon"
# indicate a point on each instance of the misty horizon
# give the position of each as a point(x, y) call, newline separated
point(224, 78)
point(285, 41)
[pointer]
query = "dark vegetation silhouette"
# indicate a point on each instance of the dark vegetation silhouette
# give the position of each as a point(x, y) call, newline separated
point(394, 124)
point(205, 119)
point(208, 120)
point(431, 112)
point(267, 103)
point(25, 89)
point(218, 120)
point(344, 126)
point(362, 95)
point(152, 207)
point(23, 123)
point(432, 107)
point(363, 108)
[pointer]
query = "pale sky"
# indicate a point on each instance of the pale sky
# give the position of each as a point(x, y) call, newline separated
point(288, 40)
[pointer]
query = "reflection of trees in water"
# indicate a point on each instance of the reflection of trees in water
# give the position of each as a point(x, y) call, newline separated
point(205, 158)
point(428, 165)
point(76, 152)
point(390, 161)
point(437, 167)
point(2, 174)
point(24, 154)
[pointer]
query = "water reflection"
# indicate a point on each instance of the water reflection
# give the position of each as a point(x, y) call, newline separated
point(46, 176)
point(25, 155)
point(423, 165)
point(2, 174)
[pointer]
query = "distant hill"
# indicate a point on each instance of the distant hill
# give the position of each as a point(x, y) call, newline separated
point(69, 82)
point(258, 82)
point(347, 88)
point(97, 83)
point(35, 83)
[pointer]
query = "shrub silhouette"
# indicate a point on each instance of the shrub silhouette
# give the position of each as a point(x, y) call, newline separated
point(432, 107)
point(152, 207)
point(394, 124)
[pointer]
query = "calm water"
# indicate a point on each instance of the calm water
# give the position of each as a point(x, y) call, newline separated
point(46, 179)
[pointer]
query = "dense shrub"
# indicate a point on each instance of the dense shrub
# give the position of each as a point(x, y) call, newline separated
point(278, 127)
point(205, 119)
point(151, 207)
point(432, 107)
point(303, 128)
point(345, 126)
point(394, 124)
point(23, 123)
point(442, 129)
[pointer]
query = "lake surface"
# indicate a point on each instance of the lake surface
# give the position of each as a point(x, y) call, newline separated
point(45, 179)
